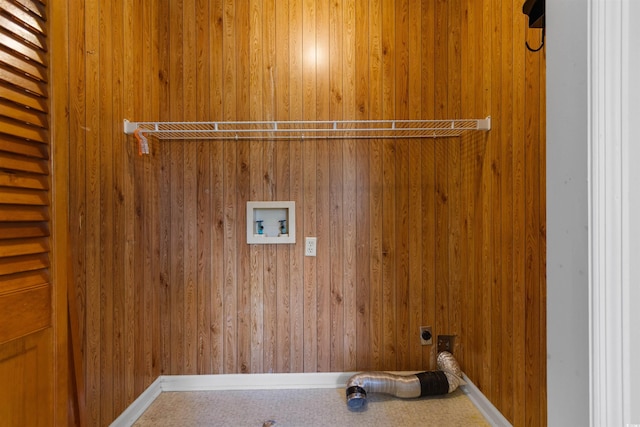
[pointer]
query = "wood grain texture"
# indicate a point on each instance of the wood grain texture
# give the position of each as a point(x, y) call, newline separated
point(447, 233)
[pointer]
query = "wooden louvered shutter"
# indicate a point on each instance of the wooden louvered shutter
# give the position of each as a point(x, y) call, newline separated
point(25, 285)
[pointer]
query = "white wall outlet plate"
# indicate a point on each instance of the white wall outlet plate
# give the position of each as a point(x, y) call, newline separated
point(310, 246)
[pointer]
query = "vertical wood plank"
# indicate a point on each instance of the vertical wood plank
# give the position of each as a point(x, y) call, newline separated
point(296, 258)
point(245, 272)
point(414, 91)
point(441, 238)
point(337, 256)
point(402, 278)
point(190, 191)
point(323, 260)
point(389, 256)
point(231, 286)
point(323, 200)
point(388, 58)
point(519, 166)
point(256, 263)
point(350, 299)
point(296, 90)
point(243, 165)
point(92, 220)
point(308, 61)
point(230, 227)
point(428, 105)
point(428, 180)
point(204, 284)
point(363, 227)
point(334, 45)
point(283, 185)
point(416, 236)
point(65, 344)
point(364, 290)
point(177, 190)
point(486, 223)
point(310, 309)
point(105, 111)
point(477, 337)
point(270, 187)
point(322, 60)
point(400, 44)
point(153, 95)
point(441, 215)
point(506, 209)
point(441, 63)
point(495, 159)
point(164, 187)
point(453, 168)
point(256, 189)
point(213, 319)
point(349, 190)
point(282, 347)
point(454, 67)
point(376, 186)
point(466, 197)
point(455, 241)
point(119, 220)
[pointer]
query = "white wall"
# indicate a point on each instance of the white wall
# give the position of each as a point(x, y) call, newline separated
point(567, 197)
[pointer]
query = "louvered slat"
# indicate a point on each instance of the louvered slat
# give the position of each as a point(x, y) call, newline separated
point(19, 264)
point(13, 230)
point(19, 180)
point(32, 69)
point(12, 162)
point(10, 144)
point(14, 213)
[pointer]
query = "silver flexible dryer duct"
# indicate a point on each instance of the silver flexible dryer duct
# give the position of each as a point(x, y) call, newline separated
point(445, 380)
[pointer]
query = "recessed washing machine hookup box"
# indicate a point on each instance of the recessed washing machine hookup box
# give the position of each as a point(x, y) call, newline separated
point(271, 222)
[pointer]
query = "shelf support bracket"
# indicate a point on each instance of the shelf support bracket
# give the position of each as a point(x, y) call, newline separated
point(485, 124)
point(130, 127)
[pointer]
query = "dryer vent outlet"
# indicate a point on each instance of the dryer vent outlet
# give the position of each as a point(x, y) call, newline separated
point(445, 343)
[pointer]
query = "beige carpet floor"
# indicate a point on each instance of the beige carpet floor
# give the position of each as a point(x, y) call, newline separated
point(305, 407)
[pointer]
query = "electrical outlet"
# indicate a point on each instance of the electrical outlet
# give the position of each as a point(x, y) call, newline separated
point(445, 343)
point(425, 335)
point(310, 246)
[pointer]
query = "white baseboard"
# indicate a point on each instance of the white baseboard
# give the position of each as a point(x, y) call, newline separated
point(228, 382)
point(137, 408)
point(486, 408)
point(254, 381)
point(274, 381)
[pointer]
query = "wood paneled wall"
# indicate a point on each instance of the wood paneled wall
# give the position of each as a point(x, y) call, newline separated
point(441, 232)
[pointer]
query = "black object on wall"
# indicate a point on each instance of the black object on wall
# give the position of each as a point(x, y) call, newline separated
point(534, 9)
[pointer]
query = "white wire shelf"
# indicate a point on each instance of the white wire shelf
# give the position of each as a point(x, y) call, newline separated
point(340, 129)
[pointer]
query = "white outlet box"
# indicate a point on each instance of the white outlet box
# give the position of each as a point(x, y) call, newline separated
point(310, 246)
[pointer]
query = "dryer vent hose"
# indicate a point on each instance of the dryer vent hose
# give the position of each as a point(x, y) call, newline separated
point(445, 380)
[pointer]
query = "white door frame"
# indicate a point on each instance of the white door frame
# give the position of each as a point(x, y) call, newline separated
point(611, 243)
